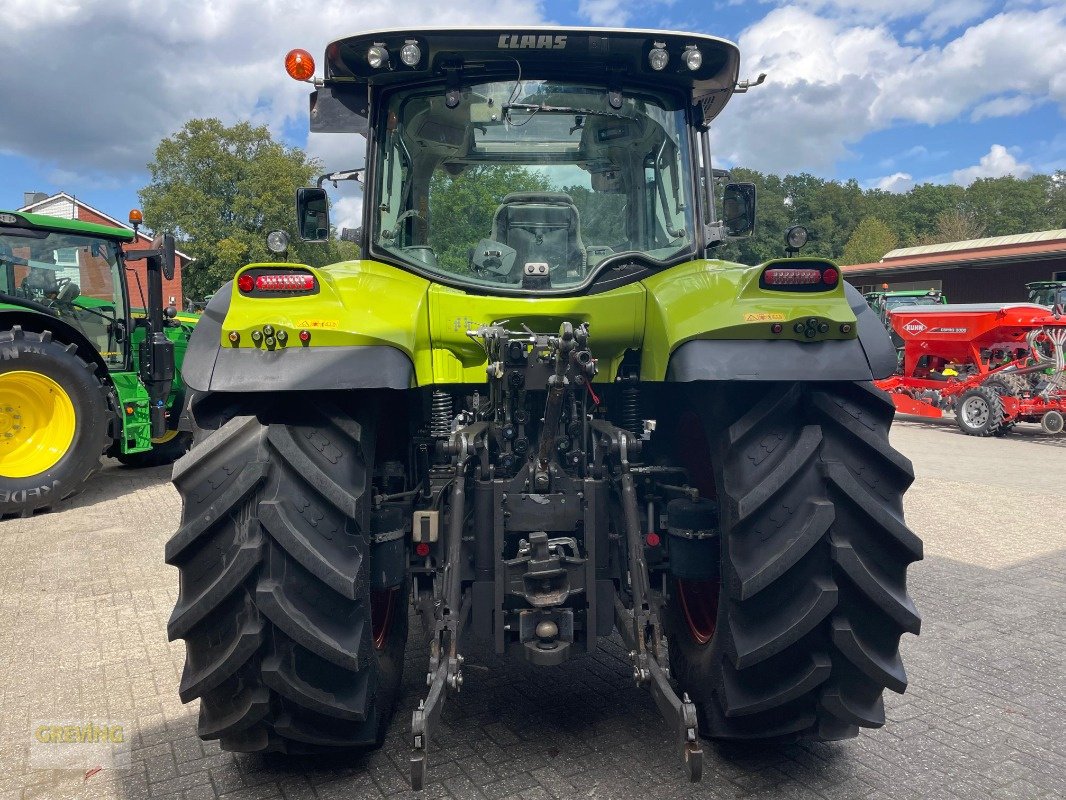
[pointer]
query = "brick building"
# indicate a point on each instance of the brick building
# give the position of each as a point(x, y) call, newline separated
point(66, 206)
point(992, 270)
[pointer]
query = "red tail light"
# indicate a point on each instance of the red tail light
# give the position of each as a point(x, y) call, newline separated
point(261, 281)
point(800, 275)
point(288, 282)
point(791, 277)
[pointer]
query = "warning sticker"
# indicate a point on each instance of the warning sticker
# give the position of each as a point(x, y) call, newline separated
point(317, 323)
point(915, 326)
point(764, 317)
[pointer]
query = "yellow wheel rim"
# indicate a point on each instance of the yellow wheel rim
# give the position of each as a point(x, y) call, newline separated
point(166, 437)
point(37, 423)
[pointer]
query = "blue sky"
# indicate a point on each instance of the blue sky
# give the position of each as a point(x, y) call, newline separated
point(889, 92)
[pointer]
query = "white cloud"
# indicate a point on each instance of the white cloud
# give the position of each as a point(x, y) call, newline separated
point(336, 151)
point(897, 183)
point(1010, 106)
point(608, 13)
point(934, 17)
point(998, 162)
point(346, 211)
point(831, 83)
point(617, 13)
point(103, 81)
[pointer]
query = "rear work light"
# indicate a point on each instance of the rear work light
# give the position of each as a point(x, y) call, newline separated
point(261, 281)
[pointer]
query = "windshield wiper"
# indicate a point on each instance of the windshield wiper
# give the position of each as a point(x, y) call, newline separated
point(541, 108)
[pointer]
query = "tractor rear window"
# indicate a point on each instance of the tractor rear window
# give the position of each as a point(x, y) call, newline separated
point(75, 276)
point(531, 186)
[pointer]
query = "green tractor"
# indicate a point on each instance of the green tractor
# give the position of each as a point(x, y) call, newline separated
point(539, 410)
point(1047, 293)
point(81, 372)
point(884, 301)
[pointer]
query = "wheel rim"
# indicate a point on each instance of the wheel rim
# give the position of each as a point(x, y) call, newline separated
point(699, 603)
point(166, 437)
point(975, 412)
point(37, 423)
point(382, 602)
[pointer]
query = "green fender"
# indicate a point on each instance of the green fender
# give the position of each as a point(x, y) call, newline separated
point(371, 325)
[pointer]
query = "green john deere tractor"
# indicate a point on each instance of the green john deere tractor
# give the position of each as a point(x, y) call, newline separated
point(1047, 293)
point(81, 373)
point(884, 300)
point(541, 411)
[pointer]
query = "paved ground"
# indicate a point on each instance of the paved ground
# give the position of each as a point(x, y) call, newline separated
point(84, 598)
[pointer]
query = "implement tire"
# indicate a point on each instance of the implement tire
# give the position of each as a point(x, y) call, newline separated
point(275, 601)
point(979, 412)
point(814, 554)
point(55, 421)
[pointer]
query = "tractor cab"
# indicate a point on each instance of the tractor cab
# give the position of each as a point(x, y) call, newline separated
point(1047, 293)
point(884, 301)
point(530, 161)
point(75, 275)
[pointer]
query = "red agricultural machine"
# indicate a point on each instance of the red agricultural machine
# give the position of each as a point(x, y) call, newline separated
point(991, 365)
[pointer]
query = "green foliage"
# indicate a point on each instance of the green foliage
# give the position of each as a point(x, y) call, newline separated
point(468, 202)
point(602, 215)
point(870, 240)
point(954, 226)
point(221, 190)
point(841, 217)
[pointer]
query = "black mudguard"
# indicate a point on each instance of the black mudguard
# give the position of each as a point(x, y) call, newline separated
point(209, 367)
point(870, 356)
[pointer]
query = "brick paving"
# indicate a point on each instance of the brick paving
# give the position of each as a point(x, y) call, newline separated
point(84, 598)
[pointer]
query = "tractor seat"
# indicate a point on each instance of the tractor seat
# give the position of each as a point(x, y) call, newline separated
point(542, 227)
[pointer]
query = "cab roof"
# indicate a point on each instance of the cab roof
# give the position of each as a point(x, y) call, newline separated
point(45, 222)
point(616, 57)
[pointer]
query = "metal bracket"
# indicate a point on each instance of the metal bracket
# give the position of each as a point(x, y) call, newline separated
point(678, 711)
point(445, 663)
point(448, 675)
point(642, 621)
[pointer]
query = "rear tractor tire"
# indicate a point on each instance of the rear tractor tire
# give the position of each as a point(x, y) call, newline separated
point(979, 412)
point(55, 418)
point(796, 633)
point(290, 646)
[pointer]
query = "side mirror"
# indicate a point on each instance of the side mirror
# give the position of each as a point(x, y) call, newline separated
point(164, 242)
point(738, 209)
point(312, 214)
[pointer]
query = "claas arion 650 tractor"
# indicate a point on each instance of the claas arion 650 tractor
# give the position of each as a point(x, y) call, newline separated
point(541, 410)
point(992, 365)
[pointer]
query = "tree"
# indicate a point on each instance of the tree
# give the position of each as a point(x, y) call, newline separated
point(1057, 200)
point(773, 216)
point(1010, 205)
point(869, 242)
point(466, 202)
point(922, 205)
point(954, 226)
point(221, 190)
